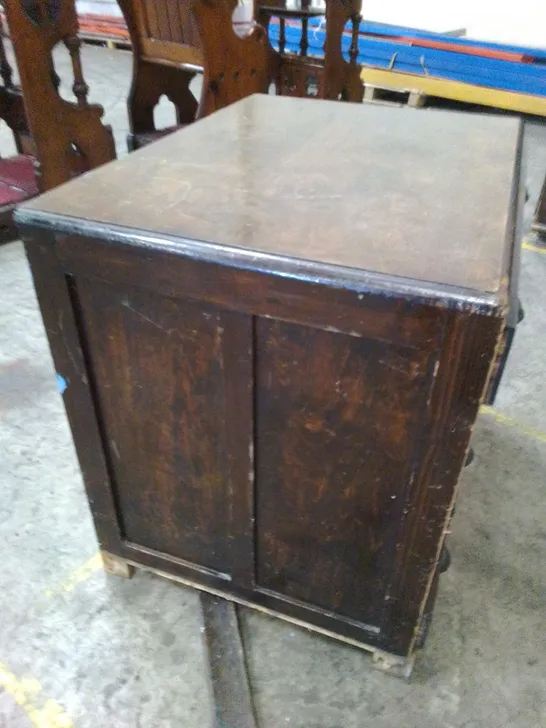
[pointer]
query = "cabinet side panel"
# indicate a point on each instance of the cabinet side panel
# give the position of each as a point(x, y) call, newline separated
point(464, 366)
point(337, 424)
point(65, 337)
point(159, 367)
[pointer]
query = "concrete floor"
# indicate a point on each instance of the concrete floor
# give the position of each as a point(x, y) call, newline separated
point(84, 649)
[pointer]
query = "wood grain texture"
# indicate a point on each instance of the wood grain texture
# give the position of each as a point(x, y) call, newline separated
point(338, 419)
point(274, 407)
point(161, 379)
point(467, 353)
point(62, 324)
point(392, 314)
point(165, 44)
point(233, 179)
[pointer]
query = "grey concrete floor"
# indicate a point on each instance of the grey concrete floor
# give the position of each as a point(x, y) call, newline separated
point(81, 648)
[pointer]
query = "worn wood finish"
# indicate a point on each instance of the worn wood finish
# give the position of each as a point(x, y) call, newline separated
point(319, 391)
point(279, 413)
point(328, 203)
point(170, 475)
point(16, 173)
point(166, 56)
point(69, 138)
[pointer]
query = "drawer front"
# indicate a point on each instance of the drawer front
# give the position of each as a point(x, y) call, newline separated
point(338, 423)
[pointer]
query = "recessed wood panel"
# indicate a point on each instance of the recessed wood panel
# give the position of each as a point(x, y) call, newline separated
point(163, 379)
point(338, 419)
point(170, 20)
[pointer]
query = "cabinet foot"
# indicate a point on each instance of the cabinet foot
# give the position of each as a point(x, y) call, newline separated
point(116, 565)
point(392, 664)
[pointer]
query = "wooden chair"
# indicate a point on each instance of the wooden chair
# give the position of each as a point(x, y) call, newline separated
point(234, 67)
point(17, 180)
point(69, 138)
point(301, 74)
point(166, 56)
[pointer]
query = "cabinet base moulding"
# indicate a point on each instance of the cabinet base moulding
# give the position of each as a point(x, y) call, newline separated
point(381, 660)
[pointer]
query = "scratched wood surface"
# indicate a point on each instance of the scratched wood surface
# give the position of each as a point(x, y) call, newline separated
point(163, 386)
point(277, 429)
point(356, 402)
point(417, 195)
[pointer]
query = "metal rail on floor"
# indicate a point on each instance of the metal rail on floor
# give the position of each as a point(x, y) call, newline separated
point(232, 696)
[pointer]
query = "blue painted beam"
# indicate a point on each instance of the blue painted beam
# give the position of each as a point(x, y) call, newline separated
point(385, 53)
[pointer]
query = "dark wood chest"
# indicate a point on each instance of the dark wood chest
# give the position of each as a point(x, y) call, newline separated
point(275, 329)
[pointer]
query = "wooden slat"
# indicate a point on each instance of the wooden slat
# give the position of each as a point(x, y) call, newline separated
point(175, 26)
point(466, 92)
point(171, 52)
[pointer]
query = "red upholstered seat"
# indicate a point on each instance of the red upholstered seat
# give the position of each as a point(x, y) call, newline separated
point(17, 179)
point(10, 195)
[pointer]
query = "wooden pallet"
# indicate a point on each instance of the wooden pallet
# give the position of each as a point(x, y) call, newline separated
point(388, 96)
point(384, 661)
point(103, 40)
point(434, 87)
point(104, 30)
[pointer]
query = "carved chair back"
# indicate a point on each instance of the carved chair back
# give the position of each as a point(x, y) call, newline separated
point(166, 56)
point(69, 137)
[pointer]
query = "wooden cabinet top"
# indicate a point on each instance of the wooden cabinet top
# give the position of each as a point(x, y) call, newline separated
point(424, 195)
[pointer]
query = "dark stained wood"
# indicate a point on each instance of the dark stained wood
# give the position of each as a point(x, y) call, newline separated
point(69, 138)
point(162, 19)
point(62, 322)
point(281, 422)
point(169, 472)
point(467, 353)
point(357, 402)
point(309, 195)
point(267, 291)
point(515, 311)
point(175, 26)
point(166, 56)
